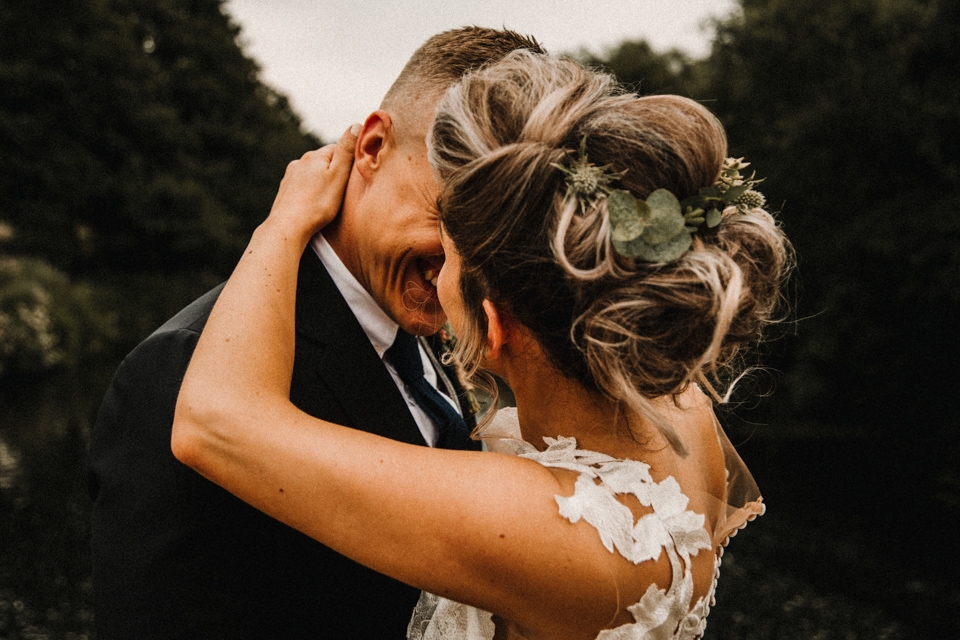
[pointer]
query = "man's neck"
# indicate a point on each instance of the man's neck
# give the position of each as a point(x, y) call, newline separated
point(337, 235)
point(378, 326)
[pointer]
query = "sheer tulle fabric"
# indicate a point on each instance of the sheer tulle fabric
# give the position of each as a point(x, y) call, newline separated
point(661, 614)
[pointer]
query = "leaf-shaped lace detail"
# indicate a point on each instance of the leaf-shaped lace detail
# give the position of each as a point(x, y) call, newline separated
point(562, 453)
point(594, 500)
point(656, 618)
point(671, 528)
point(650, 614)
point(661, 614)
point(595, 504)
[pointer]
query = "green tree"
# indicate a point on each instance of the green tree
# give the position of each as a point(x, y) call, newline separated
point(136, 134)
point(852, 109)
point(139, 148)
point(645, 71)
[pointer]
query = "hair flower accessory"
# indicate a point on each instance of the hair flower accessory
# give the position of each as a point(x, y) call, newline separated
point(659, 228)
point(586, 182)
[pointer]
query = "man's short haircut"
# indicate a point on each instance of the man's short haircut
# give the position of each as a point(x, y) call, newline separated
point(443, 60)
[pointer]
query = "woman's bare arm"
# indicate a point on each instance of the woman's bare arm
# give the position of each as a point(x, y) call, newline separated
point(481, 528)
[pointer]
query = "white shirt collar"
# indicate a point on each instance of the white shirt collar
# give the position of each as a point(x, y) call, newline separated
point(379, 327)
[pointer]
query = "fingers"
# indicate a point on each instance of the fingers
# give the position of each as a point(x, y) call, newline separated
point(342, 152)
point(340, 160)
point(337, 157)
point(313, 187)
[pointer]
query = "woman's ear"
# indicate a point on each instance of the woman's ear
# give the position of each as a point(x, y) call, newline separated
point(368, 155)
point(498, 331)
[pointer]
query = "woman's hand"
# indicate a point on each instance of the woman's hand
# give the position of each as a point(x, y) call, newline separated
point(312, 189)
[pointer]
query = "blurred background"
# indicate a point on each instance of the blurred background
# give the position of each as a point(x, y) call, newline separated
point(140, 144)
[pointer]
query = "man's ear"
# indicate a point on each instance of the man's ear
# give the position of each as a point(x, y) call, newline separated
point(375, 134)
point(498, 331)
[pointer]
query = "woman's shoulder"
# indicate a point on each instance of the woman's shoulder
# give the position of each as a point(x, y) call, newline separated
point(605, 485)
point(711, 483)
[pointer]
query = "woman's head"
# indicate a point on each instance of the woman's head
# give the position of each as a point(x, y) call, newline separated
point(625, 328)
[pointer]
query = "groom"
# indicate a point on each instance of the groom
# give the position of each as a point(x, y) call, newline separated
point(175, 556)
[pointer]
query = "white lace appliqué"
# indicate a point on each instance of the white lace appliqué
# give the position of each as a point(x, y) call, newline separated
point(671, 528)
point(661, 614)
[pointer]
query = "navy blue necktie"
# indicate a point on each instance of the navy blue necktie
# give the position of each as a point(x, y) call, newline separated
point(404, 355)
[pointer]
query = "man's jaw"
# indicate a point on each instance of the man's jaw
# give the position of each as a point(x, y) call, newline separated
point(421, 313)
point(429, 269)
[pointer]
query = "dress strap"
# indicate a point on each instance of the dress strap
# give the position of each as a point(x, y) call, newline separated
point(742, 498)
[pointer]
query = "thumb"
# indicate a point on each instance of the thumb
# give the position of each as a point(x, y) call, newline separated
point(343, 153)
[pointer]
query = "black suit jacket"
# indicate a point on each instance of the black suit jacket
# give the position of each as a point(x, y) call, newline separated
point(175, 556)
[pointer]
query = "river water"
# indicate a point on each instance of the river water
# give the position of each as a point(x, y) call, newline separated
point(46, 591)
point(45, 586)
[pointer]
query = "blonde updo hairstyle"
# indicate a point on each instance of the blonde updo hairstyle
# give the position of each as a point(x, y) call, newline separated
point(627, 329)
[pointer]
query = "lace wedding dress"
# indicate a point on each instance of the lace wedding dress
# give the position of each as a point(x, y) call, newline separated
point(671, 528)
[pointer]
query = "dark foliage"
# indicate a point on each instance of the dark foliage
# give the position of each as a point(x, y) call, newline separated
point(136, 139)
point(136, 135)
point(851, 110)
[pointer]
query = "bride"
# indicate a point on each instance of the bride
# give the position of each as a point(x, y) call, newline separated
point(604, 260)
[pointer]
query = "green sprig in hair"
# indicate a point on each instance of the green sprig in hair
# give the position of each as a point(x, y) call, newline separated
point(659, 228)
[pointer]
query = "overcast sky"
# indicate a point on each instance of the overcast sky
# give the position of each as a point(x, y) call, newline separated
point(335, 59)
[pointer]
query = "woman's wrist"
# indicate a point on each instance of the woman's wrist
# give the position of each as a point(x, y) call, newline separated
point(282, 233)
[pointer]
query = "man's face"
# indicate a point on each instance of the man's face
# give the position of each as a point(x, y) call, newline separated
point(398, 250)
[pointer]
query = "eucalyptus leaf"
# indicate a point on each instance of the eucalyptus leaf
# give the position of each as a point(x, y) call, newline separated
point(660, 228)
point(713, 218)
point(665, 220)
point(625, 213)
point(667, 251)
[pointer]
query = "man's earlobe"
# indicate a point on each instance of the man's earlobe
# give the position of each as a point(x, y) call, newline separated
point(370, 143)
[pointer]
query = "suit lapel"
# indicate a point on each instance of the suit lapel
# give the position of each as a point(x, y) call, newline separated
point(334, 352)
